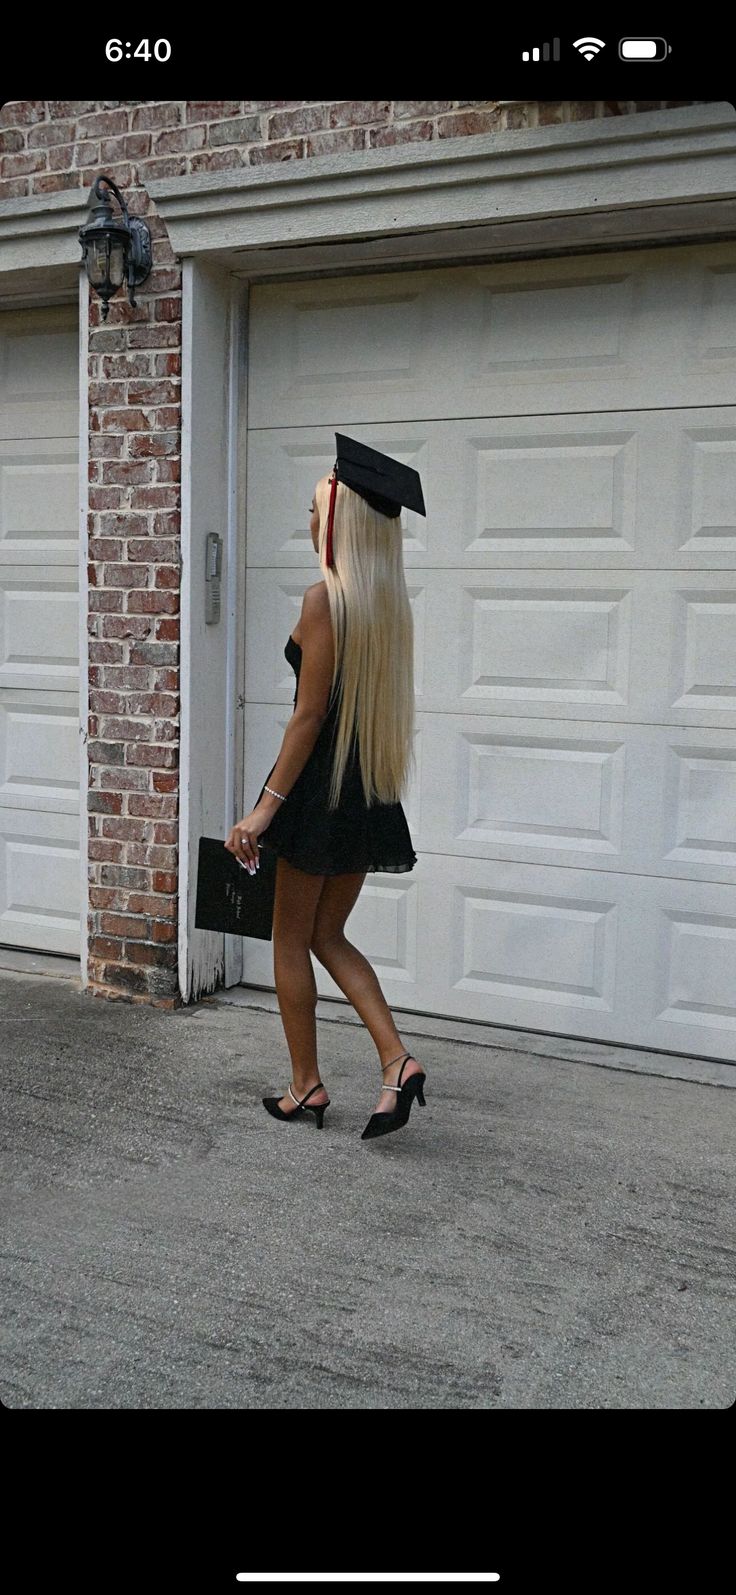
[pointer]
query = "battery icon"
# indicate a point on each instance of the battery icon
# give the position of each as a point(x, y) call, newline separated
point(644, 49)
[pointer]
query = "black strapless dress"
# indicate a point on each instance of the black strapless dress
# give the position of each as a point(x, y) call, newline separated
point(354, 837)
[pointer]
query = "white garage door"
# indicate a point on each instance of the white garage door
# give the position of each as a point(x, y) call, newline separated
point(39, 620)
point(574, 599)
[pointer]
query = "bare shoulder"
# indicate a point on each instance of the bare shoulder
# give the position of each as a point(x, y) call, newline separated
point(316, 599)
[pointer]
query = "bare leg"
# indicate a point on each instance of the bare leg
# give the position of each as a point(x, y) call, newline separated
point(355, 976)
point(295, 901)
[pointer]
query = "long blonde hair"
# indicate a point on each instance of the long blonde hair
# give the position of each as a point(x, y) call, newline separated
point(373, 634)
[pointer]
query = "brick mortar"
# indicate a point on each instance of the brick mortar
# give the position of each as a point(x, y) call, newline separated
point(134, 475)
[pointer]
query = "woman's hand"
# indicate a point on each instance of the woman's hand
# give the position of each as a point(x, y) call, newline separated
point(243, 838)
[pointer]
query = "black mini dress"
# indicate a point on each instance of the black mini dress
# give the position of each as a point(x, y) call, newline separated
point(353, 837)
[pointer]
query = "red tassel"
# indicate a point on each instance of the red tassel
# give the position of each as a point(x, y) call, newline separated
point(330, 521)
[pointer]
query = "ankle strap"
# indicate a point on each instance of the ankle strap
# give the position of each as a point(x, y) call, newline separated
point(308, 1095)
point(394, 1060)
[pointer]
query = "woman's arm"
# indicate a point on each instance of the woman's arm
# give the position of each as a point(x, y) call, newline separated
point(315, 680)
point(300, 736)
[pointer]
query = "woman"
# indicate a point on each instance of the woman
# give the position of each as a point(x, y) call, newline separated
point(330, 807)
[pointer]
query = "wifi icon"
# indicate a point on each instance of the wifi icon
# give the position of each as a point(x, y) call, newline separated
point(589, 47)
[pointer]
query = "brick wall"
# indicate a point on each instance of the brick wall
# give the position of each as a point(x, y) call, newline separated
point(134, 458)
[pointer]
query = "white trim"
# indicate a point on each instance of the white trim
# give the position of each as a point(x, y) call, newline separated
point(83, 291)
point(186, 743)
point(646, 176)
point(233, 594)
point(208, 657)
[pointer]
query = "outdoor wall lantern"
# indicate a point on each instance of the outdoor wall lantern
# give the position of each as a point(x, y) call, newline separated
point(114, 249)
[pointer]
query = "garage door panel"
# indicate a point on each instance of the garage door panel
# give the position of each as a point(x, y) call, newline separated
point(605, 645)
point(630, 490)
point(39, 880)
point(39, 373)
point(39, 629)
point(39, 499)
point(644, 799)
point(520, 337)
point(583, 953)
point(39, 751)
point(632, 647)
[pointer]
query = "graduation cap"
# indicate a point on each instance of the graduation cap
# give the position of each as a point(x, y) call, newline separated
point(385, 484)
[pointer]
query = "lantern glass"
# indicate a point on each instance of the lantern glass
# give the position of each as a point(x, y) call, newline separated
point(105, 262)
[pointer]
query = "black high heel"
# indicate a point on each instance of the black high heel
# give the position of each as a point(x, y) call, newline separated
point(384, 1123)
point(271, 1104)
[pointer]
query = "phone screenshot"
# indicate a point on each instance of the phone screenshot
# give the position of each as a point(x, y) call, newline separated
point(367, 767)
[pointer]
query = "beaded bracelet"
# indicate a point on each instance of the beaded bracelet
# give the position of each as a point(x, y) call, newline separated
point(275, 794)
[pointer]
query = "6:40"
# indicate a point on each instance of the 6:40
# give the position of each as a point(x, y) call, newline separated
point(116, 50)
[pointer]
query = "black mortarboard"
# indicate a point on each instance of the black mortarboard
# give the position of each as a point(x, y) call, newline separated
point(384, 483)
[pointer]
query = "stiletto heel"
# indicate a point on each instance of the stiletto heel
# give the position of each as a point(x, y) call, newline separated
point(384, 1123)
point(271, 1104)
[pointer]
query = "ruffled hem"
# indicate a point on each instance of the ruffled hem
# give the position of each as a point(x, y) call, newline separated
point(345, 869)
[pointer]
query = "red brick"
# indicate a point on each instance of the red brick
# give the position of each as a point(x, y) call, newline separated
point(22, 113)
point(126, 830)
point(462, 124)
point(122, 780)
point(167, 309)
point(23, 165)
point(113, 702)
point(128, 925)
point(152, 755)
point(168, 576)
point(121, 730)
point(157, 804)
point(268, 154)
point(105, 802)
point(164, 881)
point(167, 630)
point(105, 498)
point(124, 975)
point(104, 600)
point(103, 852)
point(154, 497)
point(152, 602)
point(351, 113)
point(154, 653)
point(144, 446)
point(404, 133)
point(165, 832)
point(105, 653)
point(173, 141)
point(126, 471)
point(127, 576)
point(164, 703)
point(124, 420)
point(333, 143)
point(147, 903)
point(104, 122)
point(14, 188)
point(152, 548)
point(151, 116)
point(105, 947)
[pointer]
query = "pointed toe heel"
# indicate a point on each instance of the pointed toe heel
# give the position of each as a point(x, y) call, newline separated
point(271, 1104)
point(384, 1123)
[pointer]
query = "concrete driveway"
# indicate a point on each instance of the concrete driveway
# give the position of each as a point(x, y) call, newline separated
point(549, 1232)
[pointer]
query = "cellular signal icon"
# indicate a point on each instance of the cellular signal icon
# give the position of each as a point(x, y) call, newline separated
point(589, 47)
point(534, 55)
